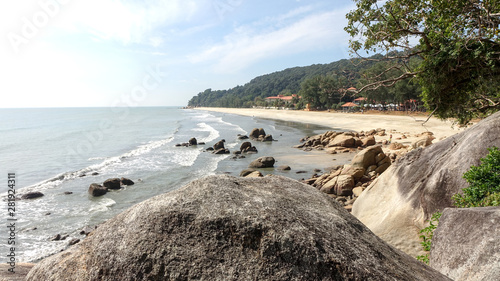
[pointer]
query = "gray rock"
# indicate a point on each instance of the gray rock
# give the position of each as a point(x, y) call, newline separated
point(267, 138)
point(254, 134)
point(73, 241)
point(114, 183)
point(193, 141)
point(246, 172)
point(255, 174)
point(367, 157)
point(262, 162)
point(245, 146)
point(284, 168)
point(97, 190)
point(466, 244)
point(56, 237)
point(399, 202)
point(32, 195)
point(125, 181)
point(227, 228)
point(219, 145)
point(222, 151)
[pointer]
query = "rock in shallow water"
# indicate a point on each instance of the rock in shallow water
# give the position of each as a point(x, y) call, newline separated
point(32, 195)
point(227, 228)
point(97, 190)
point(114, 183)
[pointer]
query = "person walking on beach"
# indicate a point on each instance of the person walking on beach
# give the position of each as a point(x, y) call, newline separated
point(390, 138)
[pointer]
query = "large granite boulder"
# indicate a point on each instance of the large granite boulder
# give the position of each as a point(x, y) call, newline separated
point(399, 202)
point(367, 157)
point(466, 244)
point(227, 228)
point(340, 185)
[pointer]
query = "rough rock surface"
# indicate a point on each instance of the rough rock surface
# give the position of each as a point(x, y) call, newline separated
point(466, 244)
point(227, 228)
point(397, 204)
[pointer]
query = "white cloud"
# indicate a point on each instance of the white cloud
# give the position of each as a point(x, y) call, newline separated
point(246, 46)
point(127, 21)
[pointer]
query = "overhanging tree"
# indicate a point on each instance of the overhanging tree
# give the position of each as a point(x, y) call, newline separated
point(457, 42)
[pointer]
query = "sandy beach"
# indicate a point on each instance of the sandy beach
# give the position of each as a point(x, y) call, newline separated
point(398, 124)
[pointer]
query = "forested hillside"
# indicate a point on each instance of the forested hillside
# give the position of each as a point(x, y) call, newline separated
point(285, 82)
point(321, 85)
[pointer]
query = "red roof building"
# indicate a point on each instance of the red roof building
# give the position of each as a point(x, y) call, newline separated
point(281, 97)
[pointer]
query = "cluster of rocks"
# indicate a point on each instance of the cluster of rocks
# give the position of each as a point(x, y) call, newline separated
point(84, 174)
point(96, 189)
point(191, 142)
point(347, 182)
point(85, 231)
point(219, 148)
point(333, 141)
point(259, 134)
point(245, 147)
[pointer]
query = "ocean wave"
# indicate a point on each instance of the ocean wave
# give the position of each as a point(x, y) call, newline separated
point(107, 162)
point(204, 127)
point(235, 127)
point(185, 158)
point(102, 205)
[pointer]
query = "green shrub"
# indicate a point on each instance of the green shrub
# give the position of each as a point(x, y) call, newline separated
point(484, 183)
point(427, 234)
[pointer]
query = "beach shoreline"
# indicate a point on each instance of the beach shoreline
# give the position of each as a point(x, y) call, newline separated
point(408, 125)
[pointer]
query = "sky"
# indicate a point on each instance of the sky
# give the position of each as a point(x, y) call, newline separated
point(105, 53)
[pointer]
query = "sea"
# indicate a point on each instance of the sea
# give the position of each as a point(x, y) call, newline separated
point(56, 151)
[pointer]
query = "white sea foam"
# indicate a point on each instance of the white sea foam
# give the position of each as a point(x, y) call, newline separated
point(107, 162)
point(102, 205)
point(213, 133)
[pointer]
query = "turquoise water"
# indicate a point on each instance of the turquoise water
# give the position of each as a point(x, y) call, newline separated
point(56, 151)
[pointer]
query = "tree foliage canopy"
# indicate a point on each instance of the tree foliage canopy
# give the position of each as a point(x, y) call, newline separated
point(457, 43)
